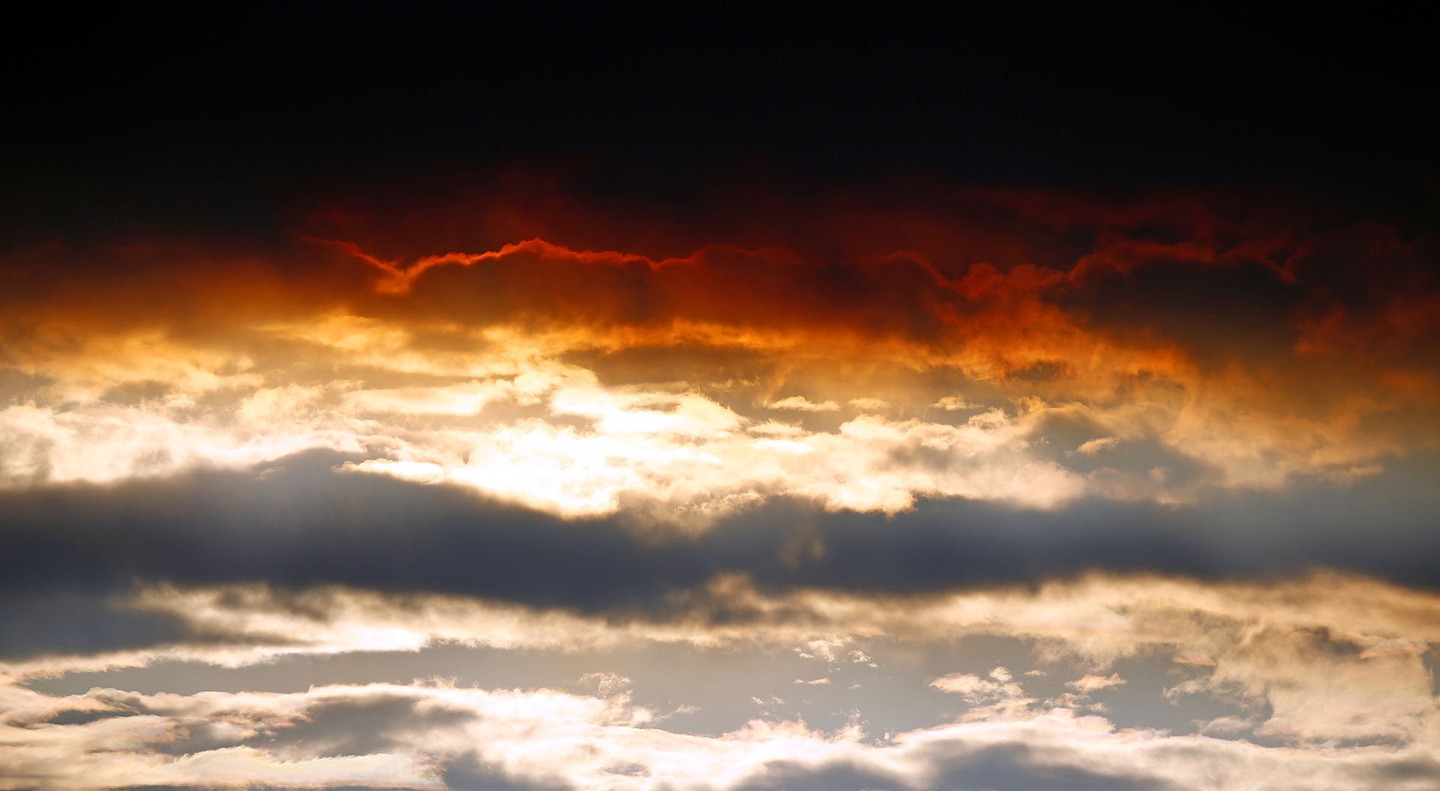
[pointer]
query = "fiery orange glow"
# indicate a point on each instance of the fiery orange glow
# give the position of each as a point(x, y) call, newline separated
point(321, 344)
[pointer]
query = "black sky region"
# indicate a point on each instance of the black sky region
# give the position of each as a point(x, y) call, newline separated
point(207, 117)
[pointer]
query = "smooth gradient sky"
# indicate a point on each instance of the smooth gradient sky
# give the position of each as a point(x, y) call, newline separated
point(1023, 399)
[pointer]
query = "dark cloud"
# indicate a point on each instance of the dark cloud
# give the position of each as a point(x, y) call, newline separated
point(84, 716)
point(1419, 767)
point(62, 617)
point(312, 526)
point(1003, 767)
point(1214, 303)
point(471, 774)
point(361, 726)
point(1019, 767)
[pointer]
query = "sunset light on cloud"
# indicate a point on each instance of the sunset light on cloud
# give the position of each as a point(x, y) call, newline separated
point(722, 443)
point(802, 376)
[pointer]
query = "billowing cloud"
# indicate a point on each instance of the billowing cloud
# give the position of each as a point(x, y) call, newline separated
point(496, 369)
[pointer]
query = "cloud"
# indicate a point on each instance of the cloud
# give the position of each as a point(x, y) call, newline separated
point(569, 444)
point(606, 683)
point(824, 649)
point(299, 523)
point(976, 690)
point(132, 747)
point(576, 440)
point(951, 403)
point(422, 735)
point(1309, 663)
point(1314, 659)
point(1091, 682)
point(801, 404)
point(1094, 446)
point(454, 353)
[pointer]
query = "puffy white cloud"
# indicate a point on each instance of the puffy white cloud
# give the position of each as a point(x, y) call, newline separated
point(1091, 682)
point(953, 403)
point(998, 686)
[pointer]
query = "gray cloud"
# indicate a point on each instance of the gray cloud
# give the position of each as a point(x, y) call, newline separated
point(1004, 767)
point(310, 525)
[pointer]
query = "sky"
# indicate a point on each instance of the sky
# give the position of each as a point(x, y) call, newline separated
point(983, 400)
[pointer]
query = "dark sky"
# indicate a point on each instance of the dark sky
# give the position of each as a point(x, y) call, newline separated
point(183, 114)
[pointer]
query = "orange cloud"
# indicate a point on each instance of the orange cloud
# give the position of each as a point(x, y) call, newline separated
point(1222, 340)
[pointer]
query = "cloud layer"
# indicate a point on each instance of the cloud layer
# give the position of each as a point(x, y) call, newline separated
point(1325, 678)
point(998, 489)
point(1160, 349)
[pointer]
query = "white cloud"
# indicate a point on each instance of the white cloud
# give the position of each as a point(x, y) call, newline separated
point(1312, 663)
point(824, 649)
point(996, 688)
point(1090, 682)
point(503, 412)
point(544, 736)
point(802, 404)
point(605, 683)
point(1096, 446)
point(951, 403)
point(1328, 656)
